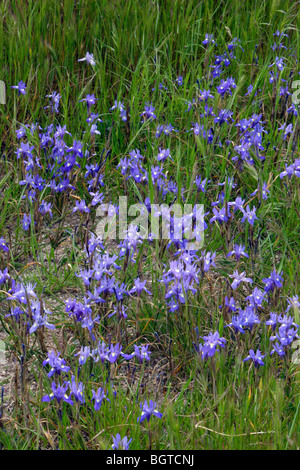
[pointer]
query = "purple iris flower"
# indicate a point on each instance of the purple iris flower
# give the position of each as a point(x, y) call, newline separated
point(139, 287)
point(89, 58)
point(76, 390)
point(121, 444)
point(81, 207)
point(58, 392)
point(3, 245)
point(98, 398)
point(56, 363)
point(148, 410)
point(238, 278)
point(21, 87)
point(238, 251)
point(257, 358)
point(141, 352)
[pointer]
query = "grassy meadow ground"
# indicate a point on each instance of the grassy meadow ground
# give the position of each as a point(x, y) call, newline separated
point(149, 53)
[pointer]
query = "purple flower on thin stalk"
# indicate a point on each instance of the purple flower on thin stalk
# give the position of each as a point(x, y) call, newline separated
point(201, 185)
point(237, 204)
point(250, 215)
point(84, 354)
point(274, 281)
point(55, 98)
point(58, 392)
point(148, 113)
point(278, 348)
point(257, 358)
point(293, 303)
point(219, 215)
point(139, 287)
point(113, 352)
point(98, 398)
point(76, 390)
point(21, 87)
point(238, 278)
point(238, 251)
point(3, 245)
point(89, 58)
point(4, 276)
point(273, 320)
point(39, 320)
point(148, 410)
point(26, 222)
point(230, 304)
point(45, 207)
point(90, 101)
point(141, 353)
point(81, 207)
point(120, 444)
point(56, 363)
point(211, 342)
point(208, 39)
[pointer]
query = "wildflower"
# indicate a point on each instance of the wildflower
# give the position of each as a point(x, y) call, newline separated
point(148, 112)
point(113, 352)
point(238, 251)
point(90, 101)
point(237, 322)
point(219, 215)
point(56, 363)
point(55, 98)
point(208, 260)
point(208, 39)
point(81, 207)
point(121, 444)
point(248, 318)
point(141, 352)
point(257, 297)
point(3, 245)
point(20, 292)
point(139, 287)
point(98, 398)
point(45, 208)
point(238, 278)
point(257, 358)
point(163, 155)
point(26, 222)
point(278, 348)
point(204, 95)
point(76, 390)
point(237, 204)
point(275, 280)
point(230, 304)
point(148, 411)
point(279, 63)
point(287, 129)
point(21, 87)
point(121, 310)
point(89, 323)
point(211, 342)
point(293, 303)
point(223, 116)
point(250, 215)
point(201, 185)
point(273, 320)
point(4, 276)
point(39, 320)
point(84, 354)
point(58, 392)
point(226, 86)
point(89, 58)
